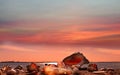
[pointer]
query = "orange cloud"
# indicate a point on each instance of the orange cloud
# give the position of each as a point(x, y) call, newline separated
point(99, 38)
point(15, 48)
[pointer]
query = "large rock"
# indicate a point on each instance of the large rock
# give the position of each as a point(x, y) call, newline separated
point(75, 59)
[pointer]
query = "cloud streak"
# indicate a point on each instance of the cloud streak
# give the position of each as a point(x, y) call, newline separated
point(107, 39)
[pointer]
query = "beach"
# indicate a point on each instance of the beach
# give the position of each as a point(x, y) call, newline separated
point(116, 72)
point(61, 71)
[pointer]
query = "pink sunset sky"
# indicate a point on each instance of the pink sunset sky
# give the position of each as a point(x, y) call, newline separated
point(50, 30)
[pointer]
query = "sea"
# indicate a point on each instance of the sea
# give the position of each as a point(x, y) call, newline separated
point(113, 65)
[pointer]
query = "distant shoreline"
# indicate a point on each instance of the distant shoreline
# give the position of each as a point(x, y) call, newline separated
point(50, 61)
point(24, 62)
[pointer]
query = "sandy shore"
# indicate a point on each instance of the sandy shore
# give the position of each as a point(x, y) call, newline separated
point(115, 72)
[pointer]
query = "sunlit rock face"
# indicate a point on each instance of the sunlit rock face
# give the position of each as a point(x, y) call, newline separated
point(75, 58)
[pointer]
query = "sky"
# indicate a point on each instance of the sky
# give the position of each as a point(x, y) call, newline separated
point(50, 30)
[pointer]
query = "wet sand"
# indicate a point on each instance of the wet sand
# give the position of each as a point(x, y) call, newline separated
point(115, 72)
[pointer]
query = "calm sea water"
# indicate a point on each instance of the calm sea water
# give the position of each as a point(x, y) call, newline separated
point(114, 65)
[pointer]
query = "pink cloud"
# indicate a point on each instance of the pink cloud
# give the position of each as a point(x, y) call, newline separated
point(106, 39)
